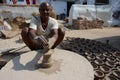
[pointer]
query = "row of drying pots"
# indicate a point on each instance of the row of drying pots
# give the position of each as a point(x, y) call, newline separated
point(113, 75)
point(104, 58)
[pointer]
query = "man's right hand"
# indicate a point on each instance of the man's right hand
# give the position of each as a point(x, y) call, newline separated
point(41, 41)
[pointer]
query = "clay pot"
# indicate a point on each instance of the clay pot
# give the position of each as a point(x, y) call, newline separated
point(116, 54)
point(69, 38)
point(93, 42)
point(99, 50)
point(111, 59)
point(101, 57)
point(111, 77)
point(99, 62)
point(87, 40)
point(91, 57)
point(97, 54)
point(106, 54)
point(95, 51)
point(77, 40)
point(75, 48)
point(99, 75)
point(82, 39)
point(69, 46)
point(88, 53)
point(105, 69)
point(118, 59)
point(105, 49)
point(110, 64)
point(95, 66)
point(116, 73)
point(118, 68)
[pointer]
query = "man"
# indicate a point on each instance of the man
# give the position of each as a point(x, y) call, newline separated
point(43, 32)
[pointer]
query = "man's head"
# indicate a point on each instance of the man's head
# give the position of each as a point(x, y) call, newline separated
point(44, 9)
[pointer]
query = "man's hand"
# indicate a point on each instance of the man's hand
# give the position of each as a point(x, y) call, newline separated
point(40, 39)
point(44, 42)
point(52, 37)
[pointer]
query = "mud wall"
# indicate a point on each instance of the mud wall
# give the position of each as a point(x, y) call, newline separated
point(12, 11)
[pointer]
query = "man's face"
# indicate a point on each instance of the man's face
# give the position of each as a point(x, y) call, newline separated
point(45, 11)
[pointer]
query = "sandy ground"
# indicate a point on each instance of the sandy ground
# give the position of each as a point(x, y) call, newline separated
point(111, 34)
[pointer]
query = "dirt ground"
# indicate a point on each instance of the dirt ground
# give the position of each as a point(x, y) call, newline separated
point(105, 34)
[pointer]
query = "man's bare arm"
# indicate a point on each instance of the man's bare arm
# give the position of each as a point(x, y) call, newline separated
point(37, 39)
point(32, 35)
point(52, 37)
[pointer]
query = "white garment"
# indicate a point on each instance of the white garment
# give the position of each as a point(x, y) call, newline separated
point(36, 24)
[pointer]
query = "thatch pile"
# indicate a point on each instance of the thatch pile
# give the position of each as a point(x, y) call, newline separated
point(12, 27)
point(86, 23)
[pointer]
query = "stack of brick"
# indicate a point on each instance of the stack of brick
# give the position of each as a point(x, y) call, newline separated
point(86, 23)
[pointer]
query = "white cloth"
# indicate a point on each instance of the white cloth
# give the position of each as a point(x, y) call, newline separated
point(36, 24)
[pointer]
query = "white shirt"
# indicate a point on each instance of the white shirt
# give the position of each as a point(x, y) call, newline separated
point(36, 24)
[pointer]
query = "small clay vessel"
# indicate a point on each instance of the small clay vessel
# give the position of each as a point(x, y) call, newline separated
point(101, 57)
point(116, 54)
point(105, 68)
point(97, 54)
point(118, 68)
point(111, 77)
point(106, 54)
point(95, 66)
point(88, 53)
point(99, 62)
point(116, 73)
point(110, 64)
point(111, 59)
point(118, 59)
point(91, 57)
point(99, 75)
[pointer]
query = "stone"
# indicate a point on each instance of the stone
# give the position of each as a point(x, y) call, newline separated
point(66, 66)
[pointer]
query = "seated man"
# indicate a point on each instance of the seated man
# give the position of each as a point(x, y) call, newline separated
point(43, 32)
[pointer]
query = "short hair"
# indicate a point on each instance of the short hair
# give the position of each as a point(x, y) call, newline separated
point(52, 11)
point(44, 4)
